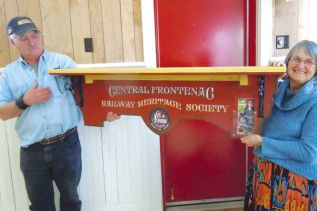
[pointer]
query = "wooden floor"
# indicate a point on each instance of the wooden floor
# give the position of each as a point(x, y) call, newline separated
point(230, 209)
point(226, 206)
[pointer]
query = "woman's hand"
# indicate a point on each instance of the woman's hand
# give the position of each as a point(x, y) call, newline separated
point(252, 140)
point(273, 63)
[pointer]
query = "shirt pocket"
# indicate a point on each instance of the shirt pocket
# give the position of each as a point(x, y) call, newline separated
point(20, 88)
point(60, 85)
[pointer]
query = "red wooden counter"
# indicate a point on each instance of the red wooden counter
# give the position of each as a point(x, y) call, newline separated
point(198, 164)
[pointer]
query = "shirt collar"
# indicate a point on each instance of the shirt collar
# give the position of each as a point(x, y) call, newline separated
point(43, 56)
point(305, 93)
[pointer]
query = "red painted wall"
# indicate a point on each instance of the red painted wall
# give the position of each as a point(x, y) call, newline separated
point(200, 160)
point(201, 33)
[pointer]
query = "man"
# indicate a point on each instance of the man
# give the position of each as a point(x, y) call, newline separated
point(47, 118)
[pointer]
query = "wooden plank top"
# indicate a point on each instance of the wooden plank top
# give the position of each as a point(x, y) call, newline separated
point(250, 70)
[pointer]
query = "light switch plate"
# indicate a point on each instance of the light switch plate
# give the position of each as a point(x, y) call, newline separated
point(282, 42)
point(88, 45)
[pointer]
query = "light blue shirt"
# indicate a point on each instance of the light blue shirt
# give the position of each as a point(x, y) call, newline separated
point(48, 119)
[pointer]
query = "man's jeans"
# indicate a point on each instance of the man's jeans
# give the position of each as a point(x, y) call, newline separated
point(61, 162)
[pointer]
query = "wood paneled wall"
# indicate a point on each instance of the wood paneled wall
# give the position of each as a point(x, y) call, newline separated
point(114, 25)
point(295, 18)
point(121, 168)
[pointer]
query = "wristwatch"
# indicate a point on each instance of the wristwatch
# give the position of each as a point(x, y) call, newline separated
point(19, 102)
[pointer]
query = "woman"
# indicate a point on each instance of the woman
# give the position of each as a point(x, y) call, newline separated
point(283, 175)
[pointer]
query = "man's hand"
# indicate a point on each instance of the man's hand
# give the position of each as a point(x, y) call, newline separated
point(37, 95)
point(112, 116)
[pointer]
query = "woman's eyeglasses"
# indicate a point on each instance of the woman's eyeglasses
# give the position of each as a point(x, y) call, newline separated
point(298, 61)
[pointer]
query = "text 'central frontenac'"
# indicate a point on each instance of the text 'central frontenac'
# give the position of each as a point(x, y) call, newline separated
point(206, 92)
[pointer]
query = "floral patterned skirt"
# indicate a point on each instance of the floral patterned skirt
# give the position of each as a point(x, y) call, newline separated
point(271, 187)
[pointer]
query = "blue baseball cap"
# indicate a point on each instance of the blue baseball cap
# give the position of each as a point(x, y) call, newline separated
point(20, 25)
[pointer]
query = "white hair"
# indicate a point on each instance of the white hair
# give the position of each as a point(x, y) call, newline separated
point(12, 36)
